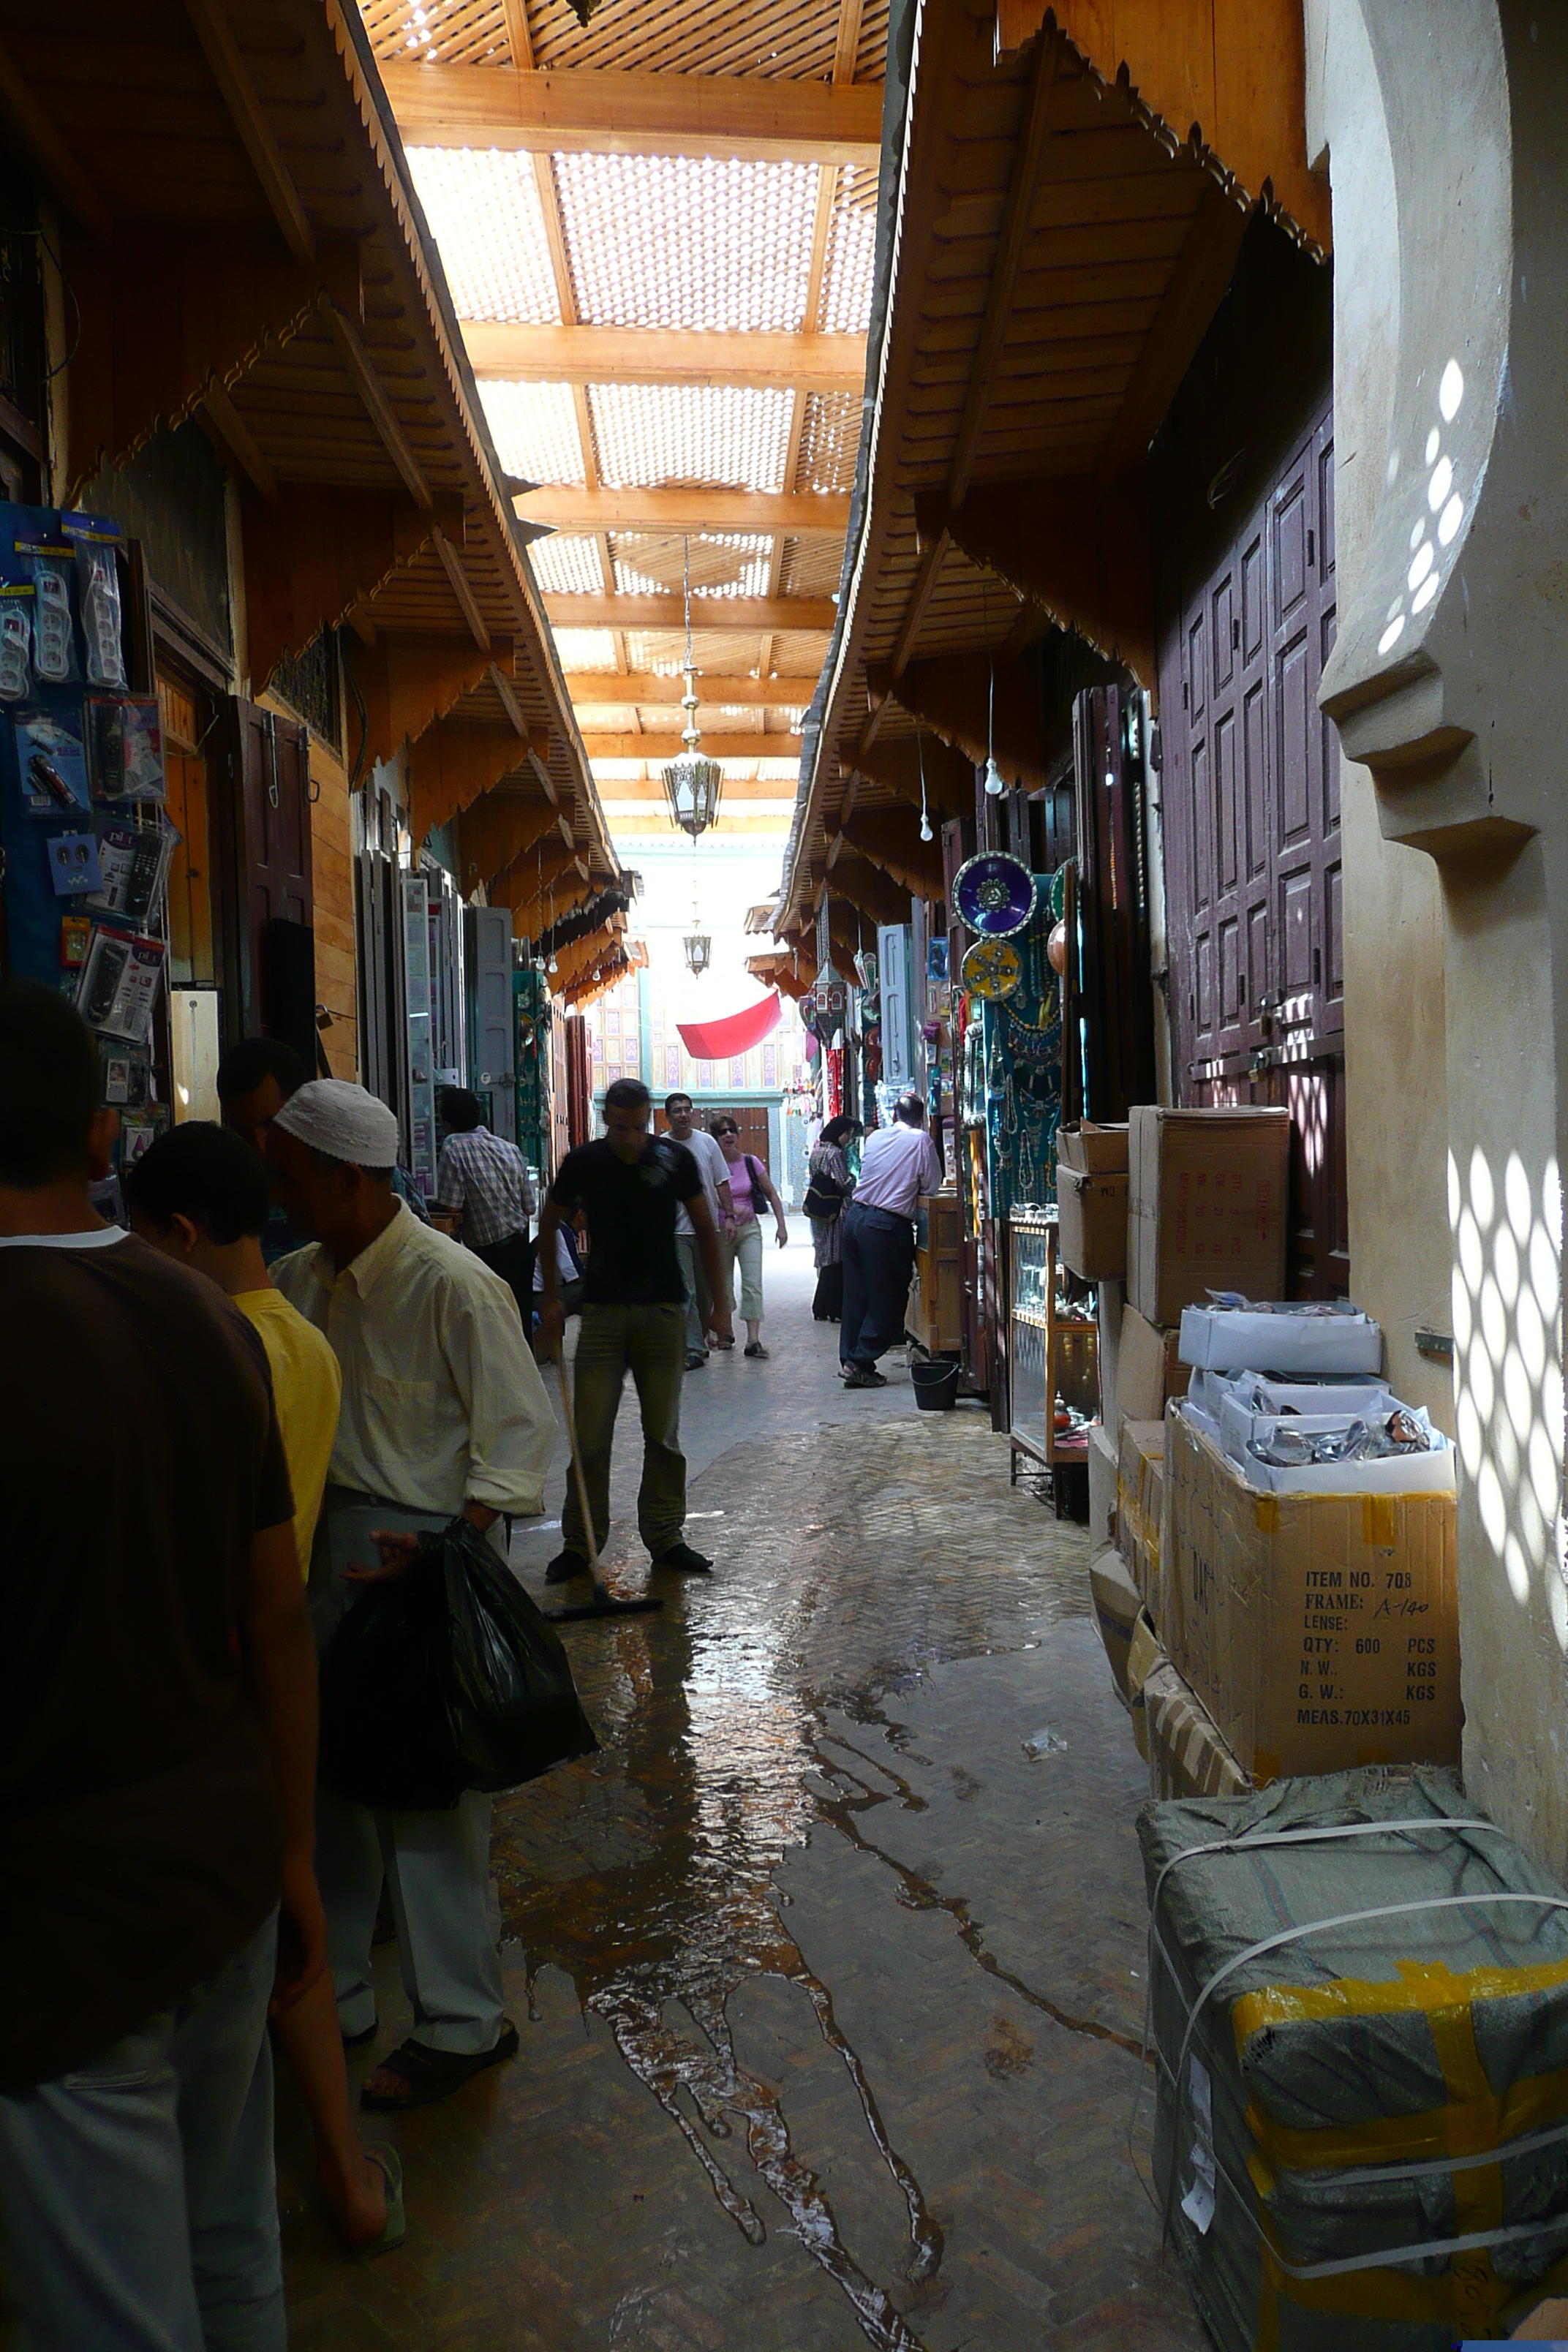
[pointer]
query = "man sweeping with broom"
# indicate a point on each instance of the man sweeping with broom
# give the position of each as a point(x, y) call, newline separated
point(629, 1183)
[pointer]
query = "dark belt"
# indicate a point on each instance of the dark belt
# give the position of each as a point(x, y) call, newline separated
point(887, 1217)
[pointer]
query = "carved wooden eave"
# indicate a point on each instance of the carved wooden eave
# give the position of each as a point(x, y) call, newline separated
point(243, 250)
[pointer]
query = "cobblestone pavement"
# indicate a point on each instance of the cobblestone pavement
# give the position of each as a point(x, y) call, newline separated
point(830, 1995)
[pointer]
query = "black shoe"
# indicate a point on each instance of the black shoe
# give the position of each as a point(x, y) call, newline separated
point(695, 1360)
point(684, 1561)
point(757, 1352)
point(564, 1567)
point(860, 1376)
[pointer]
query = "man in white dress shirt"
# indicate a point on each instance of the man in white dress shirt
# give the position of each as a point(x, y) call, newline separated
point(714, 1170)
point(898, 1164)
point(443, 1411)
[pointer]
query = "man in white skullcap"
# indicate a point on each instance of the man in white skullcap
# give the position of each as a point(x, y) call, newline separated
point(443, 1411)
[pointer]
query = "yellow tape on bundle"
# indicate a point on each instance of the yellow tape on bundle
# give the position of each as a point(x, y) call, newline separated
point(1468, 2298)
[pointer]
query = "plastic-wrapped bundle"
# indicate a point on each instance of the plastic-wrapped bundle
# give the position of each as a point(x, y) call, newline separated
point(1358, 1996)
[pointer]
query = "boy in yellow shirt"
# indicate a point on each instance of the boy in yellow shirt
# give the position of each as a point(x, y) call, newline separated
point(202, 1195)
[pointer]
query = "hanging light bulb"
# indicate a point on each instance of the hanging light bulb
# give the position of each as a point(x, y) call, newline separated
point(920, 754)
point(995, 783)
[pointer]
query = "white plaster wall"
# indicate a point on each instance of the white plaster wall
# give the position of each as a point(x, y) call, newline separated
point(1456, 960)
point(1396, 1079)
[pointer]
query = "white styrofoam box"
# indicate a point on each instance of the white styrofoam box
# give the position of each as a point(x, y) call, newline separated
point(1347, 1392)
point(1238, 1340)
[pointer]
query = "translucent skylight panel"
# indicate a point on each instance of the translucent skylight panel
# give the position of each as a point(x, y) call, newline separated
point(723, 564)
point(851, 250)
point(830, 435)
point(676, 241)
point(437, 32)
point(581, 650)
point(564, 566)
point(485, 215)
point(733, 435)
point(534, 427)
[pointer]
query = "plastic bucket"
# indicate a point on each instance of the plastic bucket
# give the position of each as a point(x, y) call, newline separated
point(935, 1385)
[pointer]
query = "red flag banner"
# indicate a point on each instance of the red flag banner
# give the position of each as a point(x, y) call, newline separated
point(737, 1033)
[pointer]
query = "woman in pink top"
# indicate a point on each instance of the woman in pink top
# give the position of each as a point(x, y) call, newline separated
point(750, 1187)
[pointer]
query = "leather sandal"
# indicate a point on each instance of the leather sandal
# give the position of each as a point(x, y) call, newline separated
point(433, 2074)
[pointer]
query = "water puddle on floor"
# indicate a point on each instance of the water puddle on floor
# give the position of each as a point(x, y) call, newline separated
point(646, 1874)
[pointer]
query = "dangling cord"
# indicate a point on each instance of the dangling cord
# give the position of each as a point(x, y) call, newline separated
point(921, 755)
point(994, 785)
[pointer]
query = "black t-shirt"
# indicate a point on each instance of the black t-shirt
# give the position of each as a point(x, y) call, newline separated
point(632, 1259)
point(140, 1836)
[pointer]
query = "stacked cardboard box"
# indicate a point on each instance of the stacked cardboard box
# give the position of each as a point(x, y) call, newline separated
point(1208, 1200)
point(1320, 1627)
point(1091, 1201)
point(1139, 1501)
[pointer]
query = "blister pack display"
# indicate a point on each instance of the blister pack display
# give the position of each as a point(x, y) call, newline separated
point(133, 862)
point(51, 758)
point(54, 640)
point(1359, 2008)
point(15, 641)
point(119, 984)
point(97, 590)
point(128, 748)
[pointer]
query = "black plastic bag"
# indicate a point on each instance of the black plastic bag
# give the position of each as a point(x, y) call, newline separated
point(446, 1678)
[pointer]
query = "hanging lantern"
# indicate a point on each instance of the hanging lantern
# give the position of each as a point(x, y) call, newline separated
point(691, 782)
point(699, 946)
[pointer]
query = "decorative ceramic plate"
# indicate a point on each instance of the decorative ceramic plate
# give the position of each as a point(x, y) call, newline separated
point(992, 970)
point(994, 894)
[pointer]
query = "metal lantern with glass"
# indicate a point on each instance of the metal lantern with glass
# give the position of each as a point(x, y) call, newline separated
point(691, 782)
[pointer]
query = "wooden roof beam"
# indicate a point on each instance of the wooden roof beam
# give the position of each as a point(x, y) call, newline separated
point(315, 554)
point(890, 839)
point(658, 748)
point(454, 763)
point(1078, 548)
point(710, 614)
point(230, 435)
point(46, 152)
point(457, 580)
point(361, 368)
point(951, 693)
point(601, 110)
point(229, 70)
point(871, 888)
point(613, 690)
point(896, 762)
point(1204, 270)
point(1005, 269)
point(498, 827)
point(694, 510)
point(623, 791)
point(507, 352)
point(1234, 77)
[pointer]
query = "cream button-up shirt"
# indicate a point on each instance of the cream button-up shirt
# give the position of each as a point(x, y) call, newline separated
point(442, 1401)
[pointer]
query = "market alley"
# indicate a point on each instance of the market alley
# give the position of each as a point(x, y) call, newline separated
point(830, 1991)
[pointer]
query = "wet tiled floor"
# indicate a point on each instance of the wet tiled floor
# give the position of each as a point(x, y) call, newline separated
point(830, 1995)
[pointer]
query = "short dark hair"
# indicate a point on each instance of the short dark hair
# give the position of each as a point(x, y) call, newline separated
point(461, 1110)
point(628, 1094)
point(245, 1066)
point(679, 1095)
point(723, 1123)
point(909, 1109)
point(204, 1173)
point(49, 1086)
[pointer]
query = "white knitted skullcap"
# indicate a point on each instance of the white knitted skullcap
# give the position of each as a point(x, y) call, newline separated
point(341, 1120)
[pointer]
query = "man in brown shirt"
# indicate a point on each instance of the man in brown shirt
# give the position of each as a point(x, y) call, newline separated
point(157, 1753)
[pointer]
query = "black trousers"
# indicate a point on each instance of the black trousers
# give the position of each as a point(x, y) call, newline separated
point(828, 1304)
point(878, 1261)
point(513, 1259)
